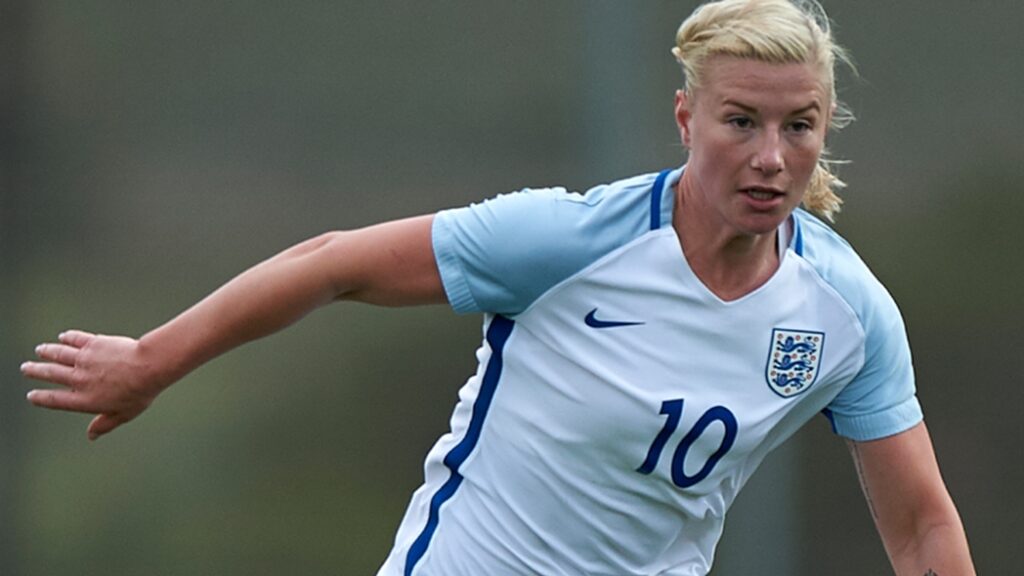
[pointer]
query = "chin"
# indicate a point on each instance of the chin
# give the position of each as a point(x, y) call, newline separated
point(759, 225)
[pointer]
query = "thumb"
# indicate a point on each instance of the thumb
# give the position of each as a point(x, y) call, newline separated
point(102, 424)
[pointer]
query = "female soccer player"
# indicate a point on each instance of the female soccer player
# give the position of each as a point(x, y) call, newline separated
point(647, 343)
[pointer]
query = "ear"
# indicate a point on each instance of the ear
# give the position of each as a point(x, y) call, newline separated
point(683, 115)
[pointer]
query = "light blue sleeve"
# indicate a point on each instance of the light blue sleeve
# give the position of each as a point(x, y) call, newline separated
point(881, 400)
point(500, 255)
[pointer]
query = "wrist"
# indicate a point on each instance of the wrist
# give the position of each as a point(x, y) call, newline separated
point(164, 358)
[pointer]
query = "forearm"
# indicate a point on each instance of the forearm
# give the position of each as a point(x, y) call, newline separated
point(256, 303)
point(914, 513)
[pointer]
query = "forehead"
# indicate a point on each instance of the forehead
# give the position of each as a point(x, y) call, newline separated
point(757, 83)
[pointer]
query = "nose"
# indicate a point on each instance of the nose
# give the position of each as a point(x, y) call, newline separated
point(767, 157)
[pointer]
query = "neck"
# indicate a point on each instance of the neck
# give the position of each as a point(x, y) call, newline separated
point(730, 263)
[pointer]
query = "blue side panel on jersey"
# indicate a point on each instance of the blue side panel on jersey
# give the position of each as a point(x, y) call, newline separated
point(798, 238)
point(831, 419)
point(659, 183)
point(497, 334)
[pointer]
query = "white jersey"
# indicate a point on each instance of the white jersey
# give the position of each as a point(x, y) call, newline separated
point(620, 405)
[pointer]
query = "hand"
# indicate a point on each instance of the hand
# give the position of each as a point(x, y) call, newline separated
point(104, 375)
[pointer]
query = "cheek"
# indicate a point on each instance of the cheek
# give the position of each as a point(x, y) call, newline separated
point(803, 160)
point(715, 169)
point(803, 164)
point(715, 146)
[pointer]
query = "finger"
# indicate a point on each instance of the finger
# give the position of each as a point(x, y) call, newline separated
point(61, 400)
point(102, 424)
point(76, 338)
point(60, 353)
point(48, 372)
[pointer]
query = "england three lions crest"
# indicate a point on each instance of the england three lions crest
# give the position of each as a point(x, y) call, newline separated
point(794, 358)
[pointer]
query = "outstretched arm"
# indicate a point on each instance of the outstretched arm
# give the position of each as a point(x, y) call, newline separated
point(117, 378)
point(914, 514)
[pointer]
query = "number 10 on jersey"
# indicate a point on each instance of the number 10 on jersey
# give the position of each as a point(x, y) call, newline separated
point(673, 409)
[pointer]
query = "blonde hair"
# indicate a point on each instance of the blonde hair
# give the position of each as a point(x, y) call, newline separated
point(775, 31)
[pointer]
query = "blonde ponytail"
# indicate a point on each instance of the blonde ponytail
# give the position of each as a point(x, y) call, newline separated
point(821, 197)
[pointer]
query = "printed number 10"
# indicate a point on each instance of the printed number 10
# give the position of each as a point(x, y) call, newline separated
point(674, 410)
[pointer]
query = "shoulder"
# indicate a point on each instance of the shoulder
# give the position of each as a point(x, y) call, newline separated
point(517, 245)
point(561, 209)
point(839, 266)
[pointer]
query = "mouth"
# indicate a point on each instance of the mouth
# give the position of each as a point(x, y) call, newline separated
point(762, 193)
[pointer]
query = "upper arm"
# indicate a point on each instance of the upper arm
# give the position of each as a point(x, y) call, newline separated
point(390, 264)
point(911, 507)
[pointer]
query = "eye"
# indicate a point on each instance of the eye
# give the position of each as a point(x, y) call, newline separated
point(801, 126)
point(741, 122)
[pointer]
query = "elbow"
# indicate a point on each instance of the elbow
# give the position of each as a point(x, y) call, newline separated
point(321, 263)
point(314, 244)
point(336, 260)
point(936, 537)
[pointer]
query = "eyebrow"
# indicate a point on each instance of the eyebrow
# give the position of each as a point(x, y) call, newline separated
point(812, 106)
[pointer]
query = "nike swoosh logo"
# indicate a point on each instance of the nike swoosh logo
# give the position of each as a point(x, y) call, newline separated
point(591, 320)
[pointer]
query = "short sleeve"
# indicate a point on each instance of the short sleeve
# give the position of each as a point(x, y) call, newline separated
point(881, 399)
point(500, 255)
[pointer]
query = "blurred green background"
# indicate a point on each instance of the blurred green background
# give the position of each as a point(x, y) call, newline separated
point(151, 150)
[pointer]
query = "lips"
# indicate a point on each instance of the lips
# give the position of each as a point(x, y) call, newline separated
point(762, 193)
point(763, 198)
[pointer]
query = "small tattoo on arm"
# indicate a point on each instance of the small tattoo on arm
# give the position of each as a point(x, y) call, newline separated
point(930, 572)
